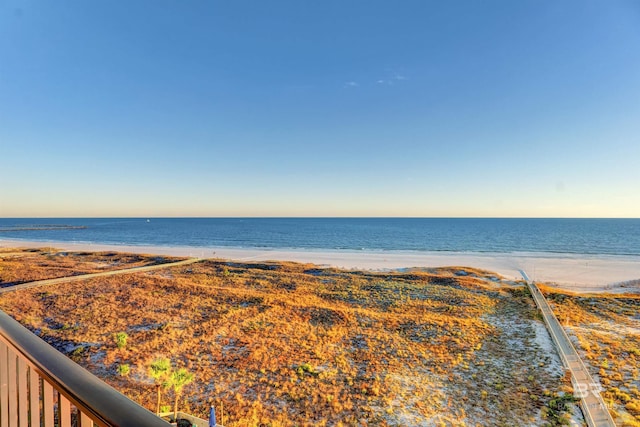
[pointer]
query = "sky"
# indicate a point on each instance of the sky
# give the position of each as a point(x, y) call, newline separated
point(320, 108)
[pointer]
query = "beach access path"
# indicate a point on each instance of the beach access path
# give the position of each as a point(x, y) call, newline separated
point(593, 407)
point(80, 277)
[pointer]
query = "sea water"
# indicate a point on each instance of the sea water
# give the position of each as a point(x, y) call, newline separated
point(496, 235)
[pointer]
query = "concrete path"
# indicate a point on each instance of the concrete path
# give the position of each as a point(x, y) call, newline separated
point(593, 406)
point(101, 274)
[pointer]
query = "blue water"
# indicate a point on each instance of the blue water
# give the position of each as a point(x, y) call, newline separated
point(571, 236)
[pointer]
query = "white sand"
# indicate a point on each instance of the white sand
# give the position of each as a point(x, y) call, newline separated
point(581, 273)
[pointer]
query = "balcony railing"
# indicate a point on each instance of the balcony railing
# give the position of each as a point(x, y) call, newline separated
point(40, 387)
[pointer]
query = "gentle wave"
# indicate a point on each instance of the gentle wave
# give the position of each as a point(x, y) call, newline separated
point(440, 235)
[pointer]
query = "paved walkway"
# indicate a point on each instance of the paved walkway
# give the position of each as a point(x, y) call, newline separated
point(101, 274)
point(593, 406)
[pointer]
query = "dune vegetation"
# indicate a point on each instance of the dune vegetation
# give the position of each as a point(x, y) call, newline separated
point(282, 344)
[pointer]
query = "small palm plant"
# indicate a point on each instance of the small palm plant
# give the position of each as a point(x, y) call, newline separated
point(179, 379)
point(121, 339)
point(159, 370)
point(124, 369)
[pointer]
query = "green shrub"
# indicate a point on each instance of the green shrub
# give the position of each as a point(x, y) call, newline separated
point(123, 370)
point(557, 411)
point(121, 339)
point(306, 368)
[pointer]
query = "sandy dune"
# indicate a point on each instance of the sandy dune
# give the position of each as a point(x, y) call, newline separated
point(581, 273)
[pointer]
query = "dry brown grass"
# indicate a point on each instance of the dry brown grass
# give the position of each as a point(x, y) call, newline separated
point(292, 344)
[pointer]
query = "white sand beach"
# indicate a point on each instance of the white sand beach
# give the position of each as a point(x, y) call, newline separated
point(580, 273)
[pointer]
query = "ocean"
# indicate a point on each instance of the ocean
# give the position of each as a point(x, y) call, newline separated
point(495, 235)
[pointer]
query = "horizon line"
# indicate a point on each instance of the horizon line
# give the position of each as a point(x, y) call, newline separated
point(316, 217)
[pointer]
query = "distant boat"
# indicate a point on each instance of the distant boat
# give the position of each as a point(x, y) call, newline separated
point(148, 220)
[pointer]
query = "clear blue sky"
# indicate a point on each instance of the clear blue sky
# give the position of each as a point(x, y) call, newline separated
point(320, 108)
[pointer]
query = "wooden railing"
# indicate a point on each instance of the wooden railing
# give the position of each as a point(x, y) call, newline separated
point(40, 387)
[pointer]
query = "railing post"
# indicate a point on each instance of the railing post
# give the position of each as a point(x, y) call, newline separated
point(23, 403)
point(47, 404)
point(4, 385)
point(12, 364)
point(64, 411)
point(34, 397)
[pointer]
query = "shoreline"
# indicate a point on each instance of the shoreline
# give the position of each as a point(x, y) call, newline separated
point(574, 272)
